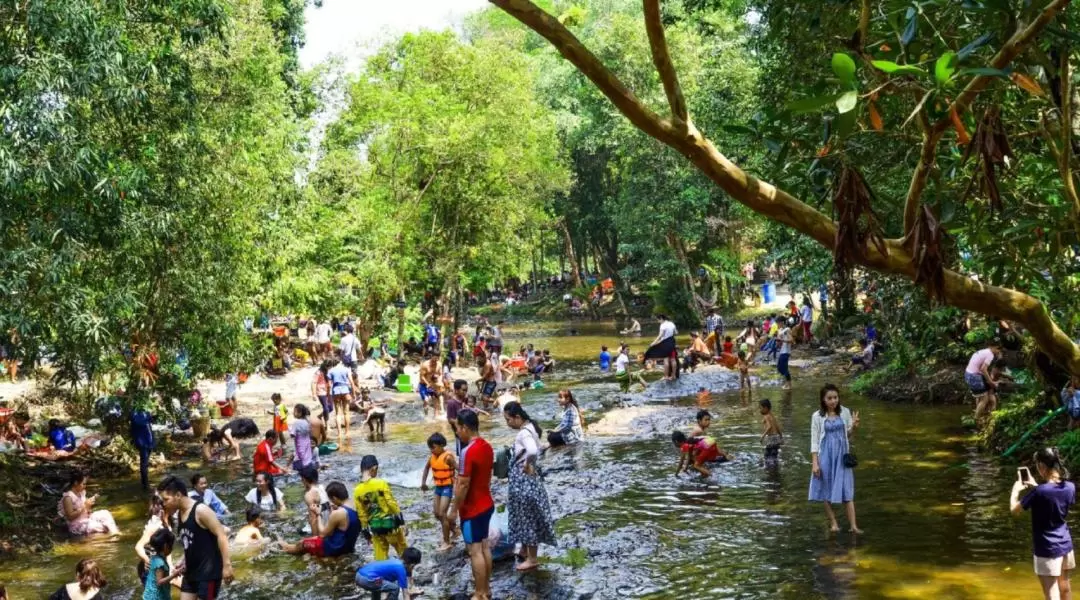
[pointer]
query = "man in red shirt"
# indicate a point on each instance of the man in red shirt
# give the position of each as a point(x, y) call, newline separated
point(472, 498)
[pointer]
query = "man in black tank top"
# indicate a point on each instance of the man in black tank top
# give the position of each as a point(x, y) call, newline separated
point(206, 545)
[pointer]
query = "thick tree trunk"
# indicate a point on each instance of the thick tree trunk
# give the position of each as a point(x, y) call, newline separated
point(686, 275)
point(776, 204)
point(571, 256)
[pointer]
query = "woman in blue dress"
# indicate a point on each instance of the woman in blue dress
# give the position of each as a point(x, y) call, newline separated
point(831, 481)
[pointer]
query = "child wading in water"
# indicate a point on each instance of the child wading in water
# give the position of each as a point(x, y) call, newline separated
point(772, 436)
point(698, 449)
point(158, 577)
point(744, 371)
point(442, 464)
point(250, 533)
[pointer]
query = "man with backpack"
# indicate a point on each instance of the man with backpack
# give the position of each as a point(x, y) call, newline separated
point(379, 513)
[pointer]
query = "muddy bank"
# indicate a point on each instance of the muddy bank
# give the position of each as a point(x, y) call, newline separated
point(945, 385)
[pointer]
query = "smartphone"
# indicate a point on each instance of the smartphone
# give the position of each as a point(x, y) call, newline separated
point(1024, 474)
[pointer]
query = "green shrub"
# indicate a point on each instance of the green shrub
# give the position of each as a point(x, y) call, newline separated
point(1068, 444)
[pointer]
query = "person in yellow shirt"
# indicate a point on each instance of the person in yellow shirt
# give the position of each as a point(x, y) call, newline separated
point(379, 513)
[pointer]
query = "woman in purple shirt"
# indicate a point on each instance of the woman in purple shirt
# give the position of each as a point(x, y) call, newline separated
point(1049, 505)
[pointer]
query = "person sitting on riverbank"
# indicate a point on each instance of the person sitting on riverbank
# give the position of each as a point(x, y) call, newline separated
point(634, 329)
point(696, 353)
point(60, 437)
point(264, 459)
point(237, 429)
point(694, 452)
point(335, 534)
point(264, 495)
point(78, 511)
point(252, 532)
point(16, 430)
point(864, 358)
point(87, 585)
point(1049, 504)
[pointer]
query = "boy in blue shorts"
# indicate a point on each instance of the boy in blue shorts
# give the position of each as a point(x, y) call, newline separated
point(442, 463)
point(385, 579)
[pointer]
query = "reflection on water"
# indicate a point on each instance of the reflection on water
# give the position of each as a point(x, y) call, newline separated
point(933, 509)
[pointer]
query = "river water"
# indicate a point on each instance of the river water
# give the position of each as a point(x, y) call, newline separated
point(934, 511)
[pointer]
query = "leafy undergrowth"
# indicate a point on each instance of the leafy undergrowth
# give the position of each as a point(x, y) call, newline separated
point(1010, 422)
point(1068, 444)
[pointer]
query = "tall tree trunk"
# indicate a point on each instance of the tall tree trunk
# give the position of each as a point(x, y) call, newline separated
point(686, 275)
point(613, 272)
point(571, 256)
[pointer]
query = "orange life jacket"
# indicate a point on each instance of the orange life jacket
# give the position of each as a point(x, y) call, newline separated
point(441, 470)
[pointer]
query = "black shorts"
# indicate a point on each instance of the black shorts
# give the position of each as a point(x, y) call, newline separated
point(203, 590)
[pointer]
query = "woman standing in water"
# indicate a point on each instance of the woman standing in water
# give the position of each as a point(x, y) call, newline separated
point(663, 348)
point(832, 481)
point(529, 510)
point(1049, 505)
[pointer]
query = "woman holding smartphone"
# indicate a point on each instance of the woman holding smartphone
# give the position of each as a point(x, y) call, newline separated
point(1049, 505)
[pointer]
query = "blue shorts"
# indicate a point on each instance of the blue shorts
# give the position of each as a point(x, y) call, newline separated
point(488, 389)
point(425, 391)
point(976, 383)
point(446, 491)
point(475, 530)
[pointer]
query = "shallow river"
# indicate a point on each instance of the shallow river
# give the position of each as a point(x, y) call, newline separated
point(934, 511)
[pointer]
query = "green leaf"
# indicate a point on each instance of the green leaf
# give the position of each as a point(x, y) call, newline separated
point(988, 71)
point(845, 123)
point(739, 129)
point(945, 67)
point(890, 68)
point(811, 104)
point(847, 101)
point(844, 67)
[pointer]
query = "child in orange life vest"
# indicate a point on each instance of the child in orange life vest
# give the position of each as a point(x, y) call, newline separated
point(281, 420)
point(442, 464)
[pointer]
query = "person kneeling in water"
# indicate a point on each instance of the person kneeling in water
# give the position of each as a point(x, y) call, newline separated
point(696, 451)
point(337, 535)
point(386, 578)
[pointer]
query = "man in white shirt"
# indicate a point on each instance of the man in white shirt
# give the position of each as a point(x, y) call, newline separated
point(322, 341)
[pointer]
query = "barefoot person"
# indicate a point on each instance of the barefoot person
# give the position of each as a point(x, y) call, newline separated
point(977, 376)
point(441, 464)
point(335, 534)
point(78, 510)
point(472, 499)
point(342, 391)
point(1049, 504)
point(527, 505)
point(832, 480)
point(206, 545)
point(663, 348)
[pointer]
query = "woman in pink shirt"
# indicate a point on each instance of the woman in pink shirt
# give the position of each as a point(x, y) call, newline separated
point(977, 376)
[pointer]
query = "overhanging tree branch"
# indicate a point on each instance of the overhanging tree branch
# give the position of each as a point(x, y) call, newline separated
point(1019, 42)
point(766, 199)
point(654, 26)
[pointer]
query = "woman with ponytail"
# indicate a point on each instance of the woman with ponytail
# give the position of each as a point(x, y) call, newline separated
point(571, 427)
point(528, 507)
point(1049, 505)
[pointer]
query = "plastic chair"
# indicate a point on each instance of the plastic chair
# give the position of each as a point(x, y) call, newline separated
point(404, 383)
